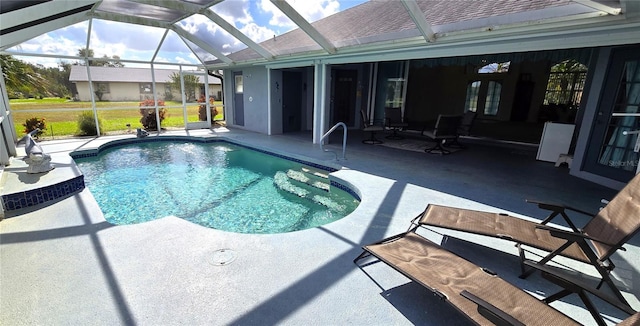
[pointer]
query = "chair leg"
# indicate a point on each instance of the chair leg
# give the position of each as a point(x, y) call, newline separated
point(456, 144)
point(438, 149)
point(394, 134)
point(372, 140)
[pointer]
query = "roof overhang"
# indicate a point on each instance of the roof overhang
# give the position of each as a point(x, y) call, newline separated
point(44, 16)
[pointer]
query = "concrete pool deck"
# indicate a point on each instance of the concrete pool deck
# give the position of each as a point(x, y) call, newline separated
point(64, 264)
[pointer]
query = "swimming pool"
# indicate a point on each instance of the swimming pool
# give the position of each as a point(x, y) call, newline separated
point(215, 184)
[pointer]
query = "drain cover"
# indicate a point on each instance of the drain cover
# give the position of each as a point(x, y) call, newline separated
point(222, 257)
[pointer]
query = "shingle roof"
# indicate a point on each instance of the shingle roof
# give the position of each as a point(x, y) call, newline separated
point(388, 20)
point(124, 75)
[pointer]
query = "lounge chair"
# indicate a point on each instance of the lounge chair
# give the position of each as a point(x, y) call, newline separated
point(634, 320)
point(479, 294)
point(393, 120)
point(446, 129)
point(571, 284)
point(601, 237)
point(371, 129)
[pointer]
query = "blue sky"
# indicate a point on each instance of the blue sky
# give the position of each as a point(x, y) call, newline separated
point(258, 19)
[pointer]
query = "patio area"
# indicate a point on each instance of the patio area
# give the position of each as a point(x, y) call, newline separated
point(64, 264)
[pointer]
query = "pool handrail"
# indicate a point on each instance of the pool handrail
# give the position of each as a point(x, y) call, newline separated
point(344, 139)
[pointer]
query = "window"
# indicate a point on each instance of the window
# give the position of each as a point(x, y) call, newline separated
point(492, 100)
point(395, 87)
point(239, 86)
point(390, 87)
point(495, 68)
point(483, 96)
point(145, 88)
point(473, 89)
point(566, 83)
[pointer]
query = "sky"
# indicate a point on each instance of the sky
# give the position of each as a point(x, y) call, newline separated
point(258, 19)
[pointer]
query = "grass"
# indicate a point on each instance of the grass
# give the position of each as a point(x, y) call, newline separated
point(61, 115)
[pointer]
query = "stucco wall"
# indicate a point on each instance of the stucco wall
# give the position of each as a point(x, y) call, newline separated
point(131, 92)
point(255, 98)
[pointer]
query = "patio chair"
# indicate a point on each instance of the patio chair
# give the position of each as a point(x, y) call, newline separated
point(446, 129)
point(393, 120)
point(634, 320)
point(464, 129)
point(371, 129)
point(604, 234)
point(571, 284)
point(478, 293)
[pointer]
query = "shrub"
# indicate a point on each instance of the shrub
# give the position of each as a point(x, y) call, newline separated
point(87, 124)
point(148, 119)
point(34, 123)
point(202, 110)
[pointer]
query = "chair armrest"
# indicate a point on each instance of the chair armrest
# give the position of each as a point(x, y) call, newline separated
point(557, 207)
point(572, 235)
point(491, 312)
point(379, 122)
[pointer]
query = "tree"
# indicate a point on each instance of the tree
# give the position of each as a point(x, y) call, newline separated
point(26, 80)
point(105, 61)
point(569, 65)
point(114, 62)
point(86, 53)
point(191, 83)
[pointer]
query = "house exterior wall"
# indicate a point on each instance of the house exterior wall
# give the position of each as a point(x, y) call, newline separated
point(255, 99)
point(131, 92)
point(119, 92)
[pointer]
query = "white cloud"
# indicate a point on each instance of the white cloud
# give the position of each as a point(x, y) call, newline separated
point(234, 12)
point(257, 19)
point(311, 10)
point(257, 33)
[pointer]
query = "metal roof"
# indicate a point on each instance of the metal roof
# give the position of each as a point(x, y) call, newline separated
point(373, 29)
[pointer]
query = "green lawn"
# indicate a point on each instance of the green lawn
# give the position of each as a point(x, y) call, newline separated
point(61, 115)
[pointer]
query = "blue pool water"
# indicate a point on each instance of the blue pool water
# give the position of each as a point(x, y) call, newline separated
point(218, 185)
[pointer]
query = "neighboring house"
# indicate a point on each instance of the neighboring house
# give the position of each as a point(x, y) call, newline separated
point(133, 84)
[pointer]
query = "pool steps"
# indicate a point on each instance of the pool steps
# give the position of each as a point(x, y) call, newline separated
point(309, 178)
point(306, 183)
point(315, 172)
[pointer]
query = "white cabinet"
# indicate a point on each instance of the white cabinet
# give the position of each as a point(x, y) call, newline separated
point(556, 139)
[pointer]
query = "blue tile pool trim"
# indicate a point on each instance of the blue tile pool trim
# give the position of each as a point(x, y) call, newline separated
point(345, 188)
point(34, 197)
point(122, 142)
